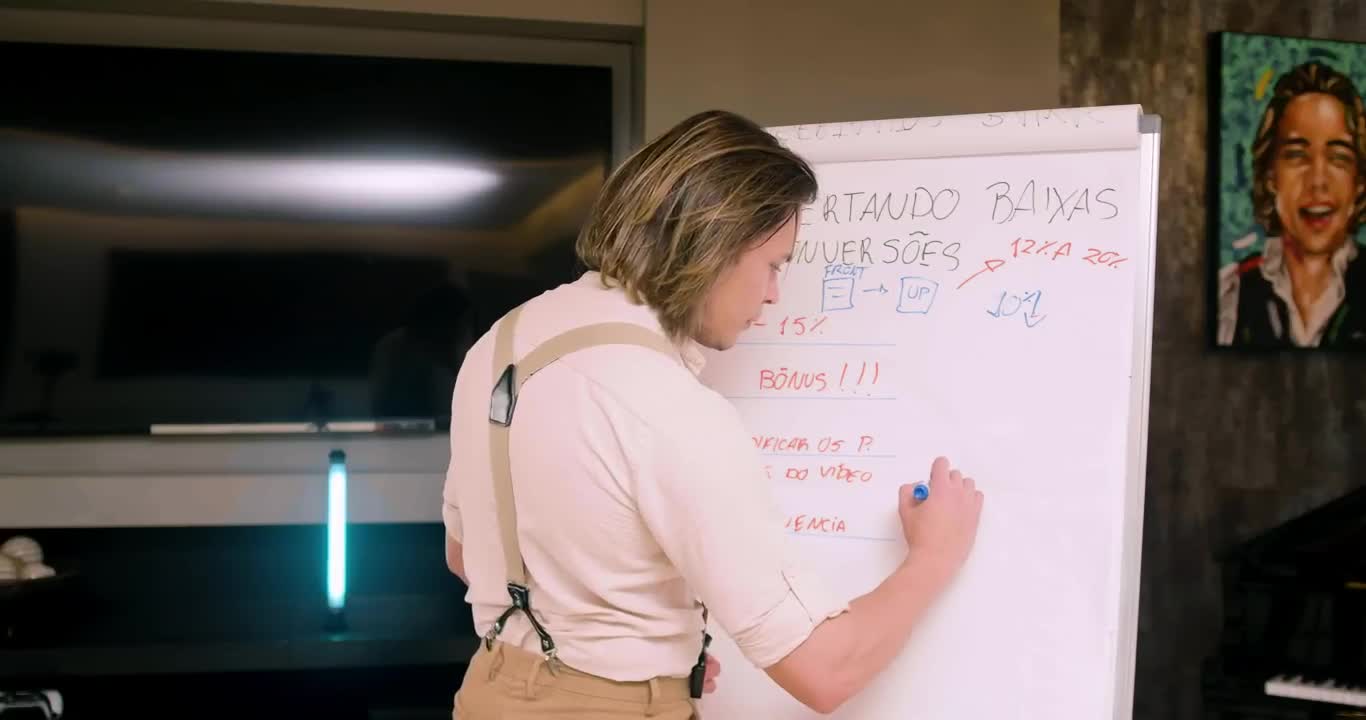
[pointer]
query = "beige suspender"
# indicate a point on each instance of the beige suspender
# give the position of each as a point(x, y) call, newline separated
point(508, 379)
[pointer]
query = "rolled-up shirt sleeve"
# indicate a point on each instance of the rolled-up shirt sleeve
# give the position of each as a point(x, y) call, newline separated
point(470, 388)
point(450, 502)
point(450, 517)
point(702, 490)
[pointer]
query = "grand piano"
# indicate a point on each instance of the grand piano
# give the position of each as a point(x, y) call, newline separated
point(1293, 641)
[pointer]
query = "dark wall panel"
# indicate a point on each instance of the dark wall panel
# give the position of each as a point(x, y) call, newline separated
point(1239, 443)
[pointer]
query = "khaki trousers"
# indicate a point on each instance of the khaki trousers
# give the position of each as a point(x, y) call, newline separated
point(509, 683)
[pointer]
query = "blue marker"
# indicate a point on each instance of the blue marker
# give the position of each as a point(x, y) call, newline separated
point(920, 492)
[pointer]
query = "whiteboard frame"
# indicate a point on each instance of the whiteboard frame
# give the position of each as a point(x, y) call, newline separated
point(879, 140)
point(1126, 648)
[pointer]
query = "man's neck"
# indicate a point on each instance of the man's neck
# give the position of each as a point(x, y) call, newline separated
point(1310, 274)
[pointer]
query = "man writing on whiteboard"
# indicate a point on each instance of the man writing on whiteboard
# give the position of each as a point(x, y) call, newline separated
point(610, 509)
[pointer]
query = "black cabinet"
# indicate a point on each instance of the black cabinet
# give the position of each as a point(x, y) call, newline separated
point(232, 622)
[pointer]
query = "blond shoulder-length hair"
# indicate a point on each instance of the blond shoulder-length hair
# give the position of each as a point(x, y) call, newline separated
point(684, 207)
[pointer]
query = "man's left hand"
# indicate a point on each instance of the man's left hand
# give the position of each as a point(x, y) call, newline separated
point(709, 676)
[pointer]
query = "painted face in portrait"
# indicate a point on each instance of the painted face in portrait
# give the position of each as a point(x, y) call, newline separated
point(1314, 177)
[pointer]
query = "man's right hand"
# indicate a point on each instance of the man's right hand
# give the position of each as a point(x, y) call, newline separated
point(942, 528)
point(845, 652)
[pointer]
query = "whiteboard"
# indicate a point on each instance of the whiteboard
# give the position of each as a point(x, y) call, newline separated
point(980, 287)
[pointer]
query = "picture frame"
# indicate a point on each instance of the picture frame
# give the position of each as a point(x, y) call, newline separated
point(1287, 196)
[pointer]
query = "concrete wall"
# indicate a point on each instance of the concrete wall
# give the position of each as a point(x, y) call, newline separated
point(798, 61)
point(1238, 443)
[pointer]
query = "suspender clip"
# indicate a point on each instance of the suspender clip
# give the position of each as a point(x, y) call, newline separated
point(504, 397)
point(697, 679)
point(521, 597)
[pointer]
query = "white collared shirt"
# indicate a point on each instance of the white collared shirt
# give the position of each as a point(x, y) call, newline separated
point(1306, 330)
point(639, 493)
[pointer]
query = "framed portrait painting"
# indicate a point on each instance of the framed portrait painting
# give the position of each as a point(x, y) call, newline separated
point(1289, 194)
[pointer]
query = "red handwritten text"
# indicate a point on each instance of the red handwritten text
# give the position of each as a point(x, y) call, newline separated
point(1053, 250)
point(857, 375)
point(839, 472)
point(798, 444)
point(820, 524)
point(796, 325)
point(784, 379)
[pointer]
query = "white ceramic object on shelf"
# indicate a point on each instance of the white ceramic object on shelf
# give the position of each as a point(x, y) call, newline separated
point(22, 548)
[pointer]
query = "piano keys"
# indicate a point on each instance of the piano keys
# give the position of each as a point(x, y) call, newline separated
point(1321, 691)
